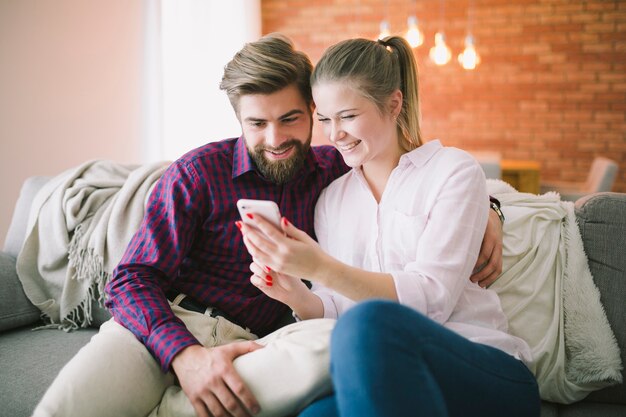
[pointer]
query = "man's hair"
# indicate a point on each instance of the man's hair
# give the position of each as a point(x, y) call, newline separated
point(265, 67)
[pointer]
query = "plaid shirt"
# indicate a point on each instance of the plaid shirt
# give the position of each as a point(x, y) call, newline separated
point(188, 242)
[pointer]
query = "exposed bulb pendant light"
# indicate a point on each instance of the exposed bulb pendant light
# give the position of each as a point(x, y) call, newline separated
point(469, 58)
point(385, 30)
point(414, 36)
point(440, 53)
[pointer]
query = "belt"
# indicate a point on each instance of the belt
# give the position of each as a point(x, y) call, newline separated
point(188, 303)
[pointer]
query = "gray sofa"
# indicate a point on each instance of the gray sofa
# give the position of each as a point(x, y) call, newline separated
point(30, 359)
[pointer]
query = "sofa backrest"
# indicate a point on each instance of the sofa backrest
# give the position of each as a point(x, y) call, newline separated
point(602, 223)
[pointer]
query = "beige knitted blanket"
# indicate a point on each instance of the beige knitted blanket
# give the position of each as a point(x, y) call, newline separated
point(78, 228)
point(548, 294)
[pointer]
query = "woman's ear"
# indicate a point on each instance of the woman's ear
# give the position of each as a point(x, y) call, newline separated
point(395, 103)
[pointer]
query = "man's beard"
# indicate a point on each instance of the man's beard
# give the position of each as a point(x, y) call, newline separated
point(280, 171)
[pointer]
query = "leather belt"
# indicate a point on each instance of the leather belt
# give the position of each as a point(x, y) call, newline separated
point(188, 303)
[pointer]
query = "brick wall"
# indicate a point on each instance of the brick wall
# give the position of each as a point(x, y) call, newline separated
point(551, 86)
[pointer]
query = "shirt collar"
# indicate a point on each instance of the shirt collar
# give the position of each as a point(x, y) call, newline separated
point(311, 163)
point(421, 155)
point(242, 162)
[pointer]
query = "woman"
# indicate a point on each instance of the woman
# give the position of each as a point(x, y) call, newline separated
point(405, 226)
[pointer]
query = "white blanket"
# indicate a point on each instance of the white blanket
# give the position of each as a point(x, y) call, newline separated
point(79, 225)
point(550, 299)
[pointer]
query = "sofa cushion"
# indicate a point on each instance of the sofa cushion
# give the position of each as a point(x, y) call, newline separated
point(549, 409)
point(602, 222)
point(29, 362)
point(15, 309)
point(588, 409)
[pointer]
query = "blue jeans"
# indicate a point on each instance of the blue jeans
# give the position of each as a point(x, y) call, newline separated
point(390, 360)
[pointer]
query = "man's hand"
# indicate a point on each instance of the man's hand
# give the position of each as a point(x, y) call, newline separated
point(489, 265)
point(209, 380)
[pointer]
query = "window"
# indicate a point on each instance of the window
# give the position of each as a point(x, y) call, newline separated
point(188, 42)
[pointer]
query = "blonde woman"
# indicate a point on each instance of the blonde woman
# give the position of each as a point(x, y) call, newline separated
point(398, 237)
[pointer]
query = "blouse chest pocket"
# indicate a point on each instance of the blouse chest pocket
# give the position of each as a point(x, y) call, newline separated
point(402, 234)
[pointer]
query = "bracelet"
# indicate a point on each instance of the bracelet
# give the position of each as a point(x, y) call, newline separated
point(494, 203)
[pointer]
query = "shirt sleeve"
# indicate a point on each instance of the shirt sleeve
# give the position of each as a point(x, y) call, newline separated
point(136, 292)
point(448, 248)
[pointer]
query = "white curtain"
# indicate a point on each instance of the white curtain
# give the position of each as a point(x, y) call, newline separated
point(188, 42)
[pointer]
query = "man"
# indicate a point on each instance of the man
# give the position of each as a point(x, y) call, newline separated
point(188, 256)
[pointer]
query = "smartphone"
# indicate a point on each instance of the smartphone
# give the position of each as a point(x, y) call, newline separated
point(268, 209)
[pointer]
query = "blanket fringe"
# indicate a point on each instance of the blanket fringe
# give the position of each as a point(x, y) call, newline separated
point(89, 267)
point(80, 317)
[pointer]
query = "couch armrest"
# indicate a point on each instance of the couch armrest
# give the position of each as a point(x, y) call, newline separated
point(17, 228)
point(15, 308)
point(602, 222)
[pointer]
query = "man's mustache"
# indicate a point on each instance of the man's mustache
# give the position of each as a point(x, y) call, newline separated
point(283, 146)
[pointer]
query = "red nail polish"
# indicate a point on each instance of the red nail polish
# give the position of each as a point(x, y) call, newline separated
point(267, 269)
point(238, 224)
point(250, 216)
point(285, 221)
point(269, 278)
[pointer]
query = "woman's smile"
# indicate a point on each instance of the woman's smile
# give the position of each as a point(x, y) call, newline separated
point(349, 146)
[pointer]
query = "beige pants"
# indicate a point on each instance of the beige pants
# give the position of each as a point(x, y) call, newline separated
point(115, 375)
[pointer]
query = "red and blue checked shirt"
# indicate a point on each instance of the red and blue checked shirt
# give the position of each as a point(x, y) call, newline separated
point(188, 243)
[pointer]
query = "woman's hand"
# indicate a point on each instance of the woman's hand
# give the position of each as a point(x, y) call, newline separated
point(279, 257)
point(281, 287)
point(291, 251)
point(288, 250)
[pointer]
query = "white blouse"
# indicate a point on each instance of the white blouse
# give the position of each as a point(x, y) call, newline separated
point(426, 232)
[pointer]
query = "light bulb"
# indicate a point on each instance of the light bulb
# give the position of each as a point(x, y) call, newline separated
point(414, 36)
point(469, 58)
point(440, 53)
point(384, 30)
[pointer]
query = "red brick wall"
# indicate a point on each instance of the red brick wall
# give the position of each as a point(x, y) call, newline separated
point(551, 86)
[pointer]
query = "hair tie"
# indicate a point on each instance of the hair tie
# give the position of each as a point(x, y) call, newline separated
point(386, 44)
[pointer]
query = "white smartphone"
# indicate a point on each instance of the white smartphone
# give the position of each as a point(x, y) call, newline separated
point(268, 209)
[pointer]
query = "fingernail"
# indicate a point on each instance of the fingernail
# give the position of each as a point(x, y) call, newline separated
point(285, 221)
point(269, 281)
point(238, 224)
point(250, 216)
point(267, 269)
